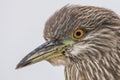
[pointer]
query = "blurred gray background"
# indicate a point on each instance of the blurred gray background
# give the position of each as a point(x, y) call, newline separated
point(21, 30)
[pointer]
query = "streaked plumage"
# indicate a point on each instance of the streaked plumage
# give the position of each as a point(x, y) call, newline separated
point(95, 56)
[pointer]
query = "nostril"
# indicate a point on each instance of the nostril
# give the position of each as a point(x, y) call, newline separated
point(63, 52)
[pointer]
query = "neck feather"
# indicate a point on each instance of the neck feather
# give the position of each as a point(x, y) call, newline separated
point(105, 69)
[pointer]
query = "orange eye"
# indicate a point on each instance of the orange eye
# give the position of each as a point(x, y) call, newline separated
point(78, 33)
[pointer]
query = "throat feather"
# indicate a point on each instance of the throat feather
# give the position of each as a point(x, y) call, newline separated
point(91, 70)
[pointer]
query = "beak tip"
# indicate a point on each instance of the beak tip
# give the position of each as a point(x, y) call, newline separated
point(18, 66)
point(22, 64)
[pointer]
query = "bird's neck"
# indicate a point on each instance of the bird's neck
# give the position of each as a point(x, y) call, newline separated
point(93, 70)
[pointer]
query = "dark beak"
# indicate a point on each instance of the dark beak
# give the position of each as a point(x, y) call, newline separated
point(46, 51)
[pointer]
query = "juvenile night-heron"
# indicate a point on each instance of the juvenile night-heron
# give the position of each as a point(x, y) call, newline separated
point(85, 39)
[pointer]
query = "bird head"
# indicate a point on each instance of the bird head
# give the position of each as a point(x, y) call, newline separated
point(74, 34)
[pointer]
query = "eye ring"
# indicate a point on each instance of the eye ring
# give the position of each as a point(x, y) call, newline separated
point(77, 34)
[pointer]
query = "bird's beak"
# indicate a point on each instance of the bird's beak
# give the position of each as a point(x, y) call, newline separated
point(46, 51)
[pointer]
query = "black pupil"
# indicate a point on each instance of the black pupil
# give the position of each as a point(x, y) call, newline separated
point(78, 33)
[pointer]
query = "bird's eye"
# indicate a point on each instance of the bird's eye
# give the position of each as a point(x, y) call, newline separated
point(77, 34)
